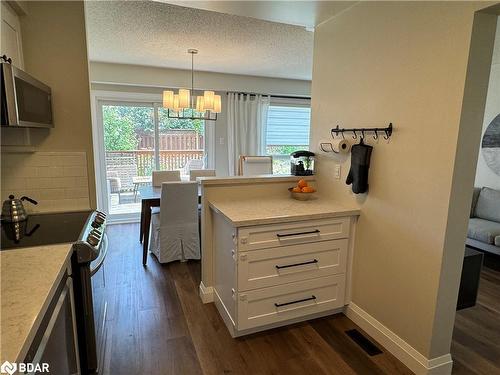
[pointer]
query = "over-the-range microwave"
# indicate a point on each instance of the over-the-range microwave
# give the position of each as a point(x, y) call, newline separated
point(26, 102)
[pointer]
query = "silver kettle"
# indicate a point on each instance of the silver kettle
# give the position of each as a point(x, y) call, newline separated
point(13, 210)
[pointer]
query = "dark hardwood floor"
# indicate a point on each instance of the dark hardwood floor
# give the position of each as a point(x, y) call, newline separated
point(158, 325)
point(476, 337)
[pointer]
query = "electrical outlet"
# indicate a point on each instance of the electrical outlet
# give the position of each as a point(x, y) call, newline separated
point(337, 171)
point(221, 140)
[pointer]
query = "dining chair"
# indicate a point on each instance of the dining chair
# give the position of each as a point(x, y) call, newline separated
point(194, 173)
point(174, 230)
point(255, 165)
point(165, 176)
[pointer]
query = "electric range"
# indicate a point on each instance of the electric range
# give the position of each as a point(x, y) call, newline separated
point(85, 230)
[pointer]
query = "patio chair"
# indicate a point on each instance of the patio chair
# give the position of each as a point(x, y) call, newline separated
point(114, 184)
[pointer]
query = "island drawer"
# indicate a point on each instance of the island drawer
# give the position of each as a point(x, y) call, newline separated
point(275, 266)
point(276, 235)
point(279, 303)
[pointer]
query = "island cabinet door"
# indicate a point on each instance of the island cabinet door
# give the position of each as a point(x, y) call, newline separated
point(275, 235)
point(294, 300)
point(280, 265)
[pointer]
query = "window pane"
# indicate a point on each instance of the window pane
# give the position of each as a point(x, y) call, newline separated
point(129, 146)
point(287, 131)
point(181, 143)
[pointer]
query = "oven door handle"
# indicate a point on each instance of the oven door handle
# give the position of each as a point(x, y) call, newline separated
point(101, 257)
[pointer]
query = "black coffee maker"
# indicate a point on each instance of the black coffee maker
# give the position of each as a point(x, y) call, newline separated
point(302, 163)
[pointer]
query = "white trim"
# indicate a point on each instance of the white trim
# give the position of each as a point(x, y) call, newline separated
point(403, 351)
point(206, 293)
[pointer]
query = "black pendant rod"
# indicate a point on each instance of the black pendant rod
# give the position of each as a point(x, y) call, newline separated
point(386, 131)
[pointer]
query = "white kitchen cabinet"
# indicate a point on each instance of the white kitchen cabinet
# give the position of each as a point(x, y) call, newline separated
point(276, 274)
point(11, 40)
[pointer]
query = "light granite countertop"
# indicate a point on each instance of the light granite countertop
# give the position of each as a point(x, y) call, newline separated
point(29, 279)
point(247, 212)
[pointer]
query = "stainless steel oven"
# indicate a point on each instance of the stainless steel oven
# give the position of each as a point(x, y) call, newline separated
point(26, 102)
point(86, 230)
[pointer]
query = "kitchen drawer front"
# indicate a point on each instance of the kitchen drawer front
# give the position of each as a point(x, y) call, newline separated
point(279, 303)
point(279, 265)
point(275, 235)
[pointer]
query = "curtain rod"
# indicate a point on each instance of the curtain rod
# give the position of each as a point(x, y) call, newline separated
point(272, 96)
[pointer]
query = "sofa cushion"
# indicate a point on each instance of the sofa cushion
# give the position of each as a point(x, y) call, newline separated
point(488, 205)
point(475, 195)
point(483, 230)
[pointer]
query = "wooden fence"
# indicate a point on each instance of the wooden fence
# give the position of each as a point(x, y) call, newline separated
point(172, 140)
point(129, 164)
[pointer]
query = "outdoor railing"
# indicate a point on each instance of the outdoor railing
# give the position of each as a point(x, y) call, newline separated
point(133, 163)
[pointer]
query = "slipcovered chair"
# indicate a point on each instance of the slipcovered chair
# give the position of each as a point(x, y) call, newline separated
point(165, 176)
point(193, 174)
point(255, 165)
point(174, 230)
point(192, 165)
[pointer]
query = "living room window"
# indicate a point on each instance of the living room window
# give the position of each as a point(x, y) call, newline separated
point(288, 124)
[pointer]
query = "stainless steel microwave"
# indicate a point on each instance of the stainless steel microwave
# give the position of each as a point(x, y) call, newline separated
point(26, 102)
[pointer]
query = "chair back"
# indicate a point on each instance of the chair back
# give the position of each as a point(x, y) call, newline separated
point(178, 203)
point(165, 176)
point(193, 174)
point(255, 165)
point(193, 164)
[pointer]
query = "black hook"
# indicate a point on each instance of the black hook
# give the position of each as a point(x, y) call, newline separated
point(355, 136)
point(362, 134)
point(376, 135)
point(386, 136)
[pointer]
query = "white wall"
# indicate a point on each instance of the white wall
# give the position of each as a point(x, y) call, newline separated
point(406, 63)
point(484, 175)
point(133, 78)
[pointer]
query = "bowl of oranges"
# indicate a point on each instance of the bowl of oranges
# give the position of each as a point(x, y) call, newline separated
point(302, 191)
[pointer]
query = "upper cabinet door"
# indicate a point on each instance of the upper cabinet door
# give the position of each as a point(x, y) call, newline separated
point(11, 36)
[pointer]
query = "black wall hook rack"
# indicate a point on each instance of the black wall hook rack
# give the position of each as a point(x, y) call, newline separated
point(386, 131)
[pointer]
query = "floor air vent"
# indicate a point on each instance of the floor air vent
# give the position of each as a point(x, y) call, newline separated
point(365, 344)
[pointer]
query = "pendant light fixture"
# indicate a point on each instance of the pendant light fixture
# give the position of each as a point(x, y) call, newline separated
point(185, 105)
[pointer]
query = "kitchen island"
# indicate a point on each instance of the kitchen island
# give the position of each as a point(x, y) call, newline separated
point(30, 279)
point(278, 261)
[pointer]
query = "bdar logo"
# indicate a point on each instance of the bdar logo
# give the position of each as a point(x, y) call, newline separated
point(8, 368)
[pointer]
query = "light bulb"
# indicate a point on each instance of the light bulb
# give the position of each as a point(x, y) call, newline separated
point(200, 105)
point(176, 103)
point(217, 104)
point(168, 99)
point(208, 99)
point(184, 98)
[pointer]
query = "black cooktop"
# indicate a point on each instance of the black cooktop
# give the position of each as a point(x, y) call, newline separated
point(44, 229)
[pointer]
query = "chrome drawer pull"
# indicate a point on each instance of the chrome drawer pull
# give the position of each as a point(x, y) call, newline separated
point(297, 264)
point(298, 301)
point(297, 234)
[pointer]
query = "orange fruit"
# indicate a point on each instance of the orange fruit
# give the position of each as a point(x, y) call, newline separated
point(308, 189)
point(302, 183)
point(296, 189)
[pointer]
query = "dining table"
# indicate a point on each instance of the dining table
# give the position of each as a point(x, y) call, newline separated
point(150, 197)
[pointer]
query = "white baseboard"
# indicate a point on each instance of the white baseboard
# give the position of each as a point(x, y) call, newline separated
point(206, 293)
point(403, 351)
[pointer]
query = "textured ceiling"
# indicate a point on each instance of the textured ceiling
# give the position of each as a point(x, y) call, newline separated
point(159, 34)
point(308, 13)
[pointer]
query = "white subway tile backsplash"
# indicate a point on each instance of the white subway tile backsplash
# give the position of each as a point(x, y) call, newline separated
point(57, 180)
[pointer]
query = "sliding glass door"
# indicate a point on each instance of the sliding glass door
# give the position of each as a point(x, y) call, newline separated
point(137, 138)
